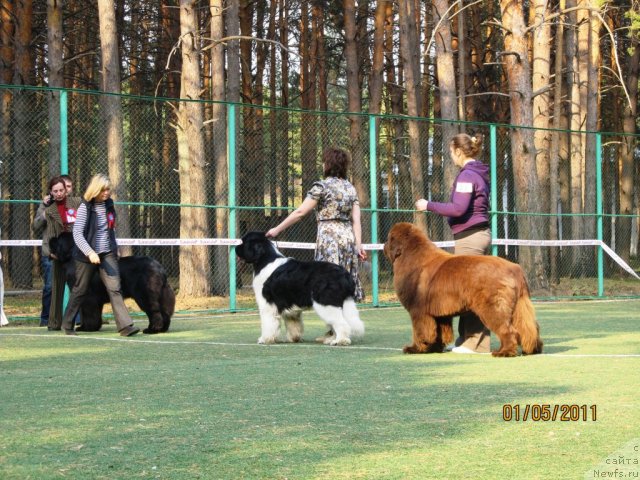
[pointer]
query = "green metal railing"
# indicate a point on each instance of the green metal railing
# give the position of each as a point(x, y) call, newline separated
point(385, 150)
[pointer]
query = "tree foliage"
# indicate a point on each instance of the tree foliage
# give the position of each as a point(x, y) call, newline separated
point(444, 60)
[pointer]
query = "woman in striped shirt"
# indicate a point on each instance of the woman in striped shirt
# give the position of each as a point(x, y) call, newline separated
point(96, 249)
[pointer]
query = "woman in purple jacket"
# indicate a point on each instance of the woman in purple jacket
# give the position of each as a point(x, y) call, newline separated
point(468, 215)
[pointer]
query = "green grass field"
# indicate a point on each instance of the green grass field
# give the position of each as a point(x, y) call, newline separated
point(204, 401)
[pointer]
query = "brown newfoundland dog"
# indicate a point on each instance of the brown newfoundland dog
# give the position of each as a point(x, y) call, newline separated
point(434, 286)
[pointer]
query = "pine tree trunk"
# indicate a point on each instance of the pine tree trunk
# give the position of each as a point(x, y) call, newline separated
point(577, 51)
point(399, 168)
point(360, 168)
point(112, 116)
point(7, 57)
point(321, 74)
point(163, 220)
point(554, 153)
point(592, 125)
point(375, 79)
point(219, 137)
point(447, 90)
point(541, 68)
point(232, 24)
point(56, 79)
point(283, 159)
point(541, 65)
point(194, 260)
point(308, 150)
point(626, 162)
point(410, 53)
point(518, 71)
point(258, 165)
point(272, 158)
point(21, 164)
point(250, 172)
point(463, 63)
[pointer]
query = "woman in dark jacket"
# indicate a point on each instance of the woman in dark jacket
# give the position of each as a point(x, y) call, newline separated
point(96, 248)
point(56, 217)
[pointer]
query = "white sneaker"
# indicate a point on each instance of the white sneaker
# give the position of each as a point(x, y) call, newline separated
point(462, 349)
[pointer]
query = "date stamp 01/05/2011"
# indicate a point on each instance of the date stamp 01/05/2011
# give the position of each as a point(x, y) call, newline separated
point(541, 412)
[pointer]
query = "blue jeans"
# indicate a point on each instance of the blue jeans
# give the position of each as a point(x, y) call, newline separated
point(46, 290)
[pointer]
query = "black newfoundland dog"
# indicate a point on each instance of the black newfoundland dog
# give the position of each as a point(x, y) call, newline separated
point(141, 278)
point(285, 286)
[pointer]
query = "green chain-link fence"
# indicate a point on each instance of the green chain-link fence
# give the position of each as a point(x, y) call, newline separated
point(268, 162)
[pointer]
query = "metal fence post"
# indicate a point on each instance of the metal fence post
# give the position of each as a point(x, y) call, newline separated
point(373, 187)
point(231, 161)
point(64, 134)
point(64, 161)
point(599, 218)
point(493, 166)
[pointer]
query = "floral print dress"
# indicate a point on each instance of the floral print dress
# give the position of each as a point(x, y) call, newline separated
point(336, 241)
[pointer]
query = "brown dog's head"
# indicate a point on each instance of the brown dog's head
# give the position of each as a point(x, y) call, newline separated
point(402, 236)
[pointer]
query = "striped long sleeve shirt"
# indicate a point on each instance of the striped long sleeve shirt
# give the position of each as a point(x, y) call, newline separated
point(102, 235)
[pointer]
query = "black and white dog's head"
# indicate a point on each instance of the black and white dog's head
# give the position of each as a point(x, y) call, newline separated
point(257, 250)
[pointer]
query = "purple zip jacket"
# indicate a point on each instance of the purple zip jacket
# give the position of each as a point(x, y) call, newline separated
point(469, 202)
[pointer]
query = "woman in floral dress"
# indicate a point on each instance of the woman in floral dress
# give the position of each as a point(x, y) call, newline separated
point(337, 208)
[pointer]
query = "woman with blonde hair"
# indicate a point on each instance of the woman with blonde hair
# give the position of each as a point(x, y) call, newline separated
point(96, 248)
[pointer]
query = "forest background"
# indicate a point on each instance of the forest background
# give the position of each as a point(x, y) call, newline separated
point(555, 67)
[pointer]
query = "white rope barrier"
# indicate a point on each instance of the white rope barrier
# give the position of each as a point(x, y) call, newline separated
point(163, 242)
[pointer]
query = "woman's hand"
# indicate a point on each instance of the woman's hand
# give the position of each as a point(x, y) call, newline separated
point(272, 233)
point(294, 217)
point(421, 204)
point(94, 258)
point(362, 254)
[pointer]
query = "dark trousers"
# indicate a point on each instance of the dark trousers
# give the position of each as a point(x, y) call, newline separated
point(58, 284)
point(45, 263)
point(110, 276)
point(472, 332)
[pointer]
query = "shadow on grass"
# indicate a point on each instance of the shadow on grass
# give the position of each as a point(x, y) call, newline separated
point(189, 409)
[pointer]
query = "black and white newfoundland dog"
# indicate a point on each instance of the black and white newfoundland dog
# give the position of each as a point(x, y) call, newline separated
point(284, 287)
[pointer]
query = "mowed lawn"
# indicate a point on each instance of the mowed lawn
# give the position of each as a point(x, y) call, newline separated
point(204, 401)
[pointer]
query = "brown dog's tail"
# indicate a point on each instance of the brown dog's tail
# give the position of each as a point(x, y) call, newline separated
point(524, 321)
